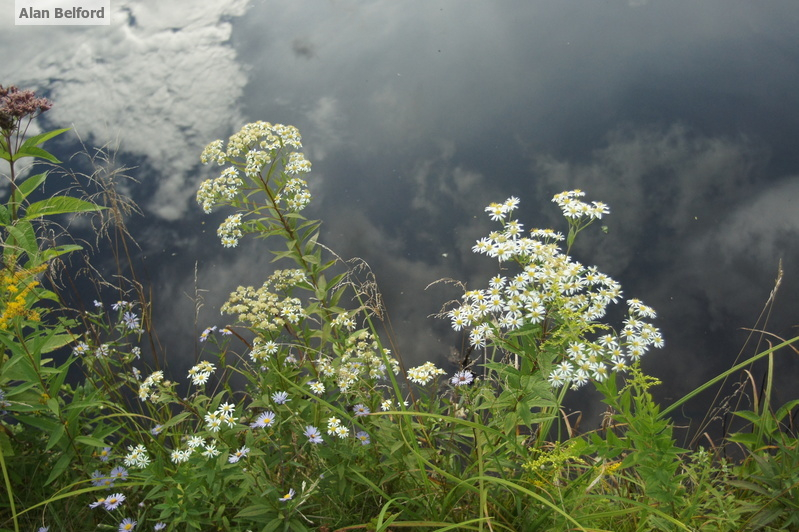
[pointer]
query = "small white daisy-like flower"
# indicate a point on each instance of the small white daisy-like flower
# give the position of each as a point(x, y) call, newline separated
point(332, 424)
point(238, 455)
point(210, 450)
point(462, 378)
point(98, 502)
point(316, 387)
point(265, 419)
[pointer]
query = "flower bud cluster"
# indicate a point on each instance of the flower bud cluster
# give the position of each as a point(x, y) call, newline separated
point(263, 308)
point(361, 357)
point(17, 104)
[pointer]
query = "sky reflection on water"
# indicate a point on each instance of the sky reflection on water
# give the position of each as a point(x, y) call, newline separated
point(681, 116)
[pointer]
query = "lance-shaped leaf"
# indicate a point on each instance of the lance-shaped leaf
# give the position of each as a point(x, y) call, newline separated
point(44, 137)
point(59, 205)
point(33, 151)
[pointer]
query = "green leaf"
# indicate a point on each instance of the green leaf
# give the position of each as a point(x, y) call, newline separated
point(56, 341)
point(29, 185)
point(175, 420)
point(311, 259)
point(5, 445)
point(748, 415)
point(5, 216)
point(59, 205)
point(51, 253)
point(44, 137)
point(91, 442)
point(254, 511)
point(61, 375)
point(60, 466)
point(33, 151)
point(785, 409)
point(751, 441)
point(42, 423)
point(23, 237)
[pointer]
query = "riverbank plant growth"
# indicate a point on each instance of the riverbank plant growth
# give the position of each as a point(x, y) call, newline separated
point(298, 414)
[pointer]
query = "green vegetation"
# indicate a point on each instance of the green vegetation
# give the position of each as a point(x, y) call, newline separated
point(298, 416)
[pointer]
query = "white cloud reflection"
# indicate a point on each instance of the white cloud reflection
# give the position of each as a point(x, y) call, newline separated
point(162, 78)
point(416, 115)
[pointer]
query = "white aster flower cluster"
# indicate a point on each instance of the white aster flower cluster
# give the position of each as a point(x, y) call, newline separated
point(574, 208)
point(209, 450)
point(137, 457)
point(263, 308)
point(223, 188)
point(297, 164)
point(256, 161)
point(295, 195)
point(596, 360)
point(149, 389)
point(253, 149)
point(551, 287)
point(229, 231)
point(262, 349)
point(200, 373)
point(214, 152)
point(254, 136)
point(361, 357)
point(424, 373)
point(223, 414)
point(334, 427)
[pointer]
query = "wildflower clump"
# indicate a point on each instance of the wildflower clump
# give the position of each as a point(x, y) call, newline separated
point(553, 299)
point(259, 155)
point(264, 308)
point(17, 105)
point(18, 289)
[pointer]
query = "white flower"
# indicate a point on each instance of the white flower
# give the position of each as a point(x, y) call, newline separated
point(238, 455)
point(462, 378)
point(424, 373)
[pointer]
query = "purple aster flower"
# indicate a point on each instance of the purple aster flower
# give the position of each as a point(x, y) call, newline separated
point(313, 434)
point(130, 320)
point(112, 502)
point(127, 524)
point(280, 398)
point(363, 437)
point(361, 410)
